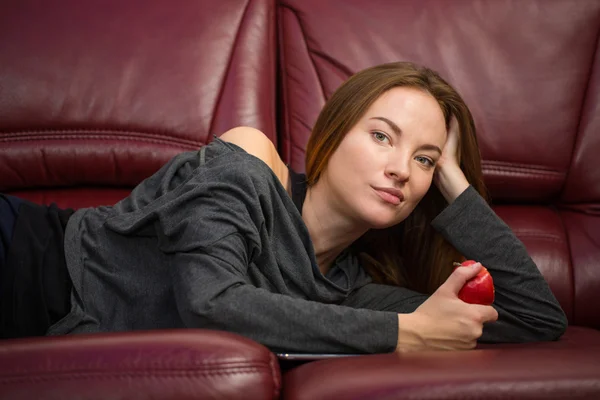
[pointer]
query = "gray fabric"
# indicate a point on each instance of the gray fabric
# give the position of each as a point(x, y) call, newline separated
point(222, 246)
point(218, 246)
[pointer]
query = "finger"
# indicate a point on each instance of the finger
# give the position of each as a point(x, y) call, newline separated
point(453, 125)
point(460, 276)
point(453, 137)
point(487, 313)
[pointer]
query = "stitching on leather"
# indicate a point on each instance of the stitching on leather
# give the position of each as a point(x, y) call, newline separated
point(532, 232)
point(65, 132)
point(75, 376)
point(161, 366)
point(168, 142)
point(517, 165)
point(549, 238)
point(533, 174)
point(524, 170)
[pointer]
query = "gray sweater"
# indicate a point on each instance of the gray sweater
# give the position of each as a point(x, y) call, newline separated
point(213, 240)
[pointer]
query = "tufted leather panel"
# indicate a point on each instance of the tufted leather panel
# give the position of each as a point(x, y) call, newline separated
point(507, 59)
point(102, 93)
point(178, 365)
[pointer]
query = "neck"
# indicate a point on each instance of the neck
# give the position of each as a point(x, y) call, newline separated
point(331, 231)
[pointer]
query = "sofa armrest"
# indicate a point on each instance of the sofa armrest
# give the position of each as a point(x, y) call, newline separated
point(518, 372)
point(170, 364)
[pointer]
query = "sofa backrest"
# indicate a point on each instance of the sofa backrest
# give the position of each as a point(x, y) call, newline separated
point(97, 95)
point(529, 72)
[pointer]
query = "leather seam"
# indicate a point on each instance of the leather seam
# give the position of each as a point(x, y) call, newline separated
point(540, 237)
point(312, 63)
point(62, 135)
point(505, 164)
point(275, 375)
point(284, 144)
point(571, 266)
point(228, 69)
point(333, 63)
point(522, 169)
point(511, 171)
point(185, 366)
point(536, 175)
point(75, 376)
point(532, 233)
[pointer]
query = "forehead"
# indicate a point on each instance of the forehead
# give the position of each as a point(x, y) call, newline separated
point(410, 109)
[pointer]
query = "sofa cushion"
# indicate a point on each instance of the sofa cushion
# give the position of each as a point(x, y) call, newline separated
point(101, 94)
point(565, 369)
point(183, 364)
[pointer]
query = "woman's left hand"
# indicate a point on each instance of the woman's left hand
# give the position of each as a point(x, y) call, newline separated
point(448, 176)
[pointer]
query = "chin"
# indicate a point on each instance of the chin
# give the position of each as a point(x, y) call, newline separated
point(381, 219)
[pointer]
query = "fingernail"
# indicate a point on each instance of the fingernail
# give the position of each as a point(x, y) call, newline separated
point(475, 265)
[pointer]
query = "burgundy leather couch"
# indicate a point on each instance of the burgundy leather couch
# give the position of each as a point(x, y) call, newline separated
point(97, 95)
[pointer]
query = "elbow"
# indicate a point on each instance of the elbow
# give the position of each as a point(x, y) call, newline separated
point(560, 327)
point(205, 314)
point(554, 327)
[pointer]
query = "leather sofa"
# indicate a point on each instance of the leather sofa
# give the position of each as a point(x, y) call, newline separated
point(97, 95)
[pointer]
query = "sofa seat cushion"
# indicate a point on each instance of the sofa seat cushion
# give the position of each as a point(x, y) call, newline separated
point(568, 368)
point(175, 364)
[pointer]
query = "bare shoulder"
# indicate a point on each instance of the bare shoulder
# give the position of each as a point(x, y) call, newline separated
point(259, 145)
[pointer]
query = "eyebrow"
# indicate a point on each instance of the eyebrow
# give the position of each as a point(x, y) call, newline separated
point(398, 131)
point(392, 125)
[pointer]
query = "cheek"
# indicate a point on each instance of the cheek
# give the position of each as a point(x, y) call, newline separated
point(421, 183)
point(350, 159)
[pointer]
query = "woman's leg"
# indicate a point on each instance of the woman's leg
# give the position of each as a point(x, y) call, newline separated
point(9, 211)
point(35, 285)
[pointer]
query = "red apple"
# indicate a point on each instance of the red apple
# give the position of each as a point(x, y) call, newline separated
point(479, 289)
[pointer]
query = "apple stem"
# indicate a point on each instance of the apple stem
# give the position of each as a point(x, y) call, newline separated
point(456, 264)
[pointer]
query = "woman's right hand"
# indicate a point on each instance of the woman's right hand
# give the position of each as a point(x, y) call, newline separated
point(444, 322)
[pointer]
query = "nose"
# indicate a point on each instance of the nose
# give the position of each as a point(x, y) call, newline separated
point(398, 168)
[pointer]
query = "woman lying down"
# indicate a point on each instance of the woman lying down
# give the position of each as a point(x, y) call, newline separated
point(355, 256)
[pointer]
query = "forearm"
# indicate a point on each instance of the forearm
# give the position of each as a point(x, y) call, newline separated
point(212, 293)
point(283, 323)
point(527, 308)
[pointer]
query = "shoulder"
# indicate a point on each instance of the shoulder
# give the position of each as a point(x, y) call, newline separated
point(260, 146)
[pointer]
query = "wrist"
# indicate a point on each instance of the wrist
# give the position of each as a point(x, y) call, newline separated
point(409, 338)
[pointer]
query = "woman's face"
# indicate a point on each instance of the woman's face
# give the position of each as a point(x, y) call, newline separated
point(385, 163)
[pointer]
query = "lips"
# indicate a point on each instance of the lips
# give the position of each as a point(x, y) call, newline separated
point(391, 195)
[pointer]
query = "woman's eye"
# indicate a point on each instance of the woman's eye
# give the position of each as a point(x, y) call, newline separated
point(380, 137)
point(425, 161)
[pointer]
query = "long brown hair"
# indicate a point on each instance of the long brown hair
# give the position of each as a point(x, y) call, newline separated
point(411, 254)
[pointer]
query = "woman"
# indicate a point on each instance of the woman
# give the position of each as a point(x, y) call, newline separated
point(356, 256)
